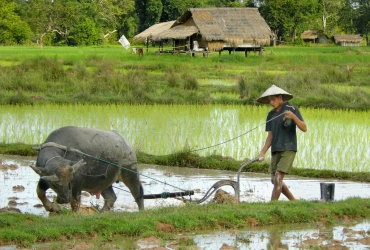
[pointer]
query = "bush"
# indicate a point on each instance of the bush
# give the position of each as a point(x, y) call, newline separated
point(242, 85)
point(173, 80)
point(190, 82)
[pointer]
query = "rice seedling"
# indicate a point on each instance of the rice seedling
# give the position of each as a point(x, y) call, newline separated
point(336, 140)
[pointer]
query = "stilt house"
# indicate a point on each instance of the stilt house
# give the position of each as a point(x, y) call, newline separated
point(218, 29)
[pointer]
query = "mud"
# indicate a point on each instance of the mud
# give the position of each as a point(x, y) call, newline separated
point(18, 184)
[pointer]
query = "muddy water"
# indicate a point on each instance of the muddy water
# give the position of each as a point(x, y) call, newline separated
point(295, 237)
point(18, 184)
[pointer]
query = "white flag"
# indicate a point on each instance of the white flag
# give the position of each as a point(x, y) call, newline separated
point(125, 43)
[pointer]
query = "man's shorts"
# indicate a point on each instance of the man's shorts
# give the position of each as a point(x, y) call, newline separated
point(282, 161)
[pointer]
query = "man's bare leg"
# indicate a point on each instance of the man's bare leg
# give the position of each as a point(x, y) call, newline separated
point(280, 187)
point(285, 190)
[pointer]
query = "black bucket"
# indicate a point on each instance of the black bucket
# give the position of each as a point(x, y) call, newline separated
point(327, 191)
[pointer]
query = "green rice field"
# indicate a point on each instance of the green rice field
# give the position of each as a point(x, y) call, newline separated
point(335, 140)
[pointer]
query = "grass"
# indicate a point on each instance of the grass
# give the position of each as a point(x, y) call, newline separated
point(111, 74)
point(17, 149)
point(25, 229)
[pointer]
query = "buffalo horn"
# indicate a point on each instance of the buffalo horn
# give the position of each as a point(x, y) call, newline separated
point(76, 166)
point(51, 178)
point(38, 171)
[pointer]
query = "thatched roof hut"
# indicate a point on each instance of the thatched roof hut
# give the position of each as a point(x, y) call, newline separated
point(347, 40)
point(154, 30)
point(310, 35)
point(220, 28)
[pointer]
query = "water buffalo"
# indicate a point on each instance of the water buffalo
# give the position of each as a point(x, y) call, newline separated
point(73, 159)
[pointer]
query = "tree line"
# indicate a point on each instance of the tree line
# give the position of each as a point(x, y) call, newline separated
point(92, 22)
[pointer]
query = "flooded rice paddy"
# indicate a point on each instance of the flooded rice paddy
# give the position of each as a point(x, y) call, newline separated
point(335, 140)
point(18, 184)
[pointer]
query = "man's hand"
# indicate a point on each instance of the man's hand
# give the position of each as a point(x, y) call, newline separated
point(289, 115)
point(261, 158)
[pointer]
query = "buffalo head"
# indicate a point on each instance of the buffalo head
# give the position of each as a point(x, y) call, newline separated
point(60, 180)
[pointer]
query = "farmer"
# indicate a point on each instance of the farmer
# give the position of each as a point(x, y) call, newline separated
point(281, 125)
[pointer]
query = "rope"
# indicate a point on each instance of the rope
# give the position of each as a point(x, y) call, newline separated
point(51, 159)
point(164, 194)
point(52, 144)
point(135, 172)
point(218, 144)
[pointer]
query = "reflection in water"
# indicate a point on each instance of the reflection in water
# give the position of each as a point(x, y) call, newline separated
point(302, 236)
point(254, 187)
point(275, 239)
point(293, 237)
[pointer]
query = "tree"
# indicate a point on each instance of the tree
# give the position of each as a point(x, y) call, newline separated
point(140, 7)
point(147, 11)
point(363, 19)
point(87, 33)
point(268, 14)
point(153, 13)
point(172, 9)
point(228, 3)
point(65, 18)
point(13, 30)
point(45, 16)
point(287, 15)
point(330, 9)
point(347, 15)
point(112, 15)
point(127, 20)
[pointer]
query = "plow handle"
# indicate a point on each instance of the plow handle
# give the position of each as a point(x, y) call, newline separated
point(237, 193)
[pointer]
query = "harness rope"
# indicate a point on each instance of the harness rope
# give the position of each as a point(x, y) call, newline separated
point(126, 167)
point(218, 144)
point(164, 194)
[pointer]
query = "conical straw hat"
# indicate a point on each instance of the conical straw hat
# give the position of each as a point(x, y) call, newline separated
point(273, 90)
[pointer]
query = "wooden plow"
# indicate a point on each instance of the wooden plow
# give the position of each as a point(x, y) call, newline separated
point(234, 184)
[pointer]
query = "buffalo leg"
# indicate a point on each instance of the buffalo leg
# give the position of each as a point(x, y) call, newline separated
point(136, 190)
point(76, 200)
point(140, 200)
point(109, 198)
point(41, 193)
